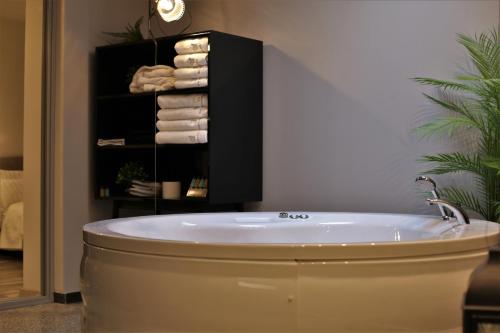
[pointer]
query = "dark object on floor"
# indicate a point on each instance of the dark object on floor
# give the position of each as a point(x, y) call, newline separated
point(482, 300)
point(68, 298)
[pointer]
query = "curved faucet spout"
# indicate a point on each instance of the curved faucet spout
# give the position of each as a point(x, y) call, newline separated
point(458, 211)
point(426, 181)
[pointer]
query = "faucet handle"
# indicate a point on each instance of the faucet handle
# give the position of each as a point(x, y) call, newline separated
point(429, 185)
point(422, 180)
point(455, 208)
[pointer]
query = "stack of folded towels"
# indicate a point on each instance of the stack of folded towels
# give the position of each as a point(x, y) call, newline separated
point(191, 63)
point(152, 78)
point(183, 119)
point(141, 188)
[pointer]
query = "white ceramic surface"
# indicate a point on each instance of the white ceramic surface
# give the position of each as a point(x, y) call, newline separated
point(258, 272)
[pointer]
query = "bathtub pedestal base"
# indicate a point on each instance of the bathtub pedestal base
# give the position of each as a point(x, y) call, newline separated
point(129, 292)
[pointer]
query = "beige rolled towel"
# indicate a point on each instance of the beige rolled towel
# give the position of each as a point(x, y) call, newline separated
point(191, 73)
point(182, 125)
point(155, 80)
point(191, 60)
point(161, 76)
point(182, 101)
point(182, 137)
point(159, 71)
point(183, 113)
point(191, 83)
point(193, 45)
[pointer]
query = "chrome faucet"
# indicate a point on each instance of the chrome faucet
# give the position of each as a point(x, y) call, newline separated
point(459, 212)
point(433, 190)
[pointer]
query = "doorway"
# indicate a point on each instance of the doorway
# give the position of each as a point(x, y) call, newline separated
point(24, 199)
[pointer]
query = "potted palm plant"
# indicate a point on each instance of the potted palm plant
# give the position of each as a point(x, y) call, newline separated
point(470, 103)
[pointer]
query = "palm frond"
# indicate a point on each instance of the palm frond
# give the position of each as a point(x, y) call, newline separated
point(454, 163)
point(471, 102)
point(496, 206)
point(465, 198)
point(445, 124)
point(492, 163)
point(456, 106)
point(443, 84)
point(481, 50)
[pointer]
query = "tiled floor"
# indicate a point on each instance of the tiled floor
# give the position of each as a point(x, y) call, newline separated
point(47, 318)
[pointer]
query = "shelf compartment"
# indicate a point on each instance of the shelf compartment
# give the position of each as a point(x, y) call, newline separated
point(232, 158)
point(187, 91)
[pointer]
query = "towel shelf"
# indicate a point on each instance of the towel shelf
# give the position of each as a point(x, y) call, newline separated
point(232, 158)
point(186, 91)
point(152, 146)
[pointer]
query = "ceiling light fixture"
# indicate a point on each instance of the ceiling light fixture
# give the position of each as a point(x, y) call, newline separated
point(170, 10)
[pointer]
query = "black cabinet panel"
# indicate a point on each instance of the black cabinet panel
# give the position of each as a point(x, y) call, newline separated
point(232, 158)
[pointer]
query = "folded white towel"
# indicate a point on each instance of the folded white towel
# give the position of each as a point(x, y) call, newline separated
point(182, 125)
point(191, 83)
point(191, 73)
point(152, 78)
point(183, 114)
point(111, 142)
point(144, 183)
point(182, 137)
point(193, 45)
point(191, 60)
point(182, 101)
point(138, 193)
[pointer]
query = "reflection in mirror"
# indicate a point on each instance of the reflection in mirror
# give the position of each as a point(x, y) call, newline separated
point(21, 31)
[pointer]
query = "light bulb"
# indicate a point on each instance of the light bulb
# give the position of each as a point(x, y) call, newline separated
point(170, 10)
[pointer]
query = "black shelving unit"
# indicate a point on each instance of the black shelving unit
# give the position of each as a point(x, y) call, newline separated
point(232, 158)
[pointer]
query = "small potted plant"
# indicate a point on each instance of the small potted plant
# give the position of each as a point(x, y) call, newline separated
point(128, 172)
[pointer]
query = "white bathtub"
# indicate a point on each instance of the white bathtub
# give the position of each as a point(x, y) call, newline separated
point(259, 272)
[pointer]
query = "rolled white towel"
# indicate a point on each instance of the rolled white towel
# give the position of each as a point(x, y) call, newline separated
point(183, 114)
point(182, 137)
point(159, 71)
point(155, 80)
point(182, 101)
point(191, 60)
point(191, 83)
point(193, 45)
point(158, 87)
point(191, 73)
point(148, 75)
point(182, 125)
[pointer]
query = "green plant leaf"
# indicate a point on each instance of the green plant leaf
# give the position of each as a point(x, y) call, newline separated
point(442, 84)
point(453, 163)
point(465, 198)
point(492, 163)
point(130, 171)
point(131, 33)
point(471, 102)
point(446, 124)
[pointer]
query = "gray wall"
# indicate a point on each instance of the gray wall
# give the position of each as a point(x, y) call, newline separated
point(339, 106)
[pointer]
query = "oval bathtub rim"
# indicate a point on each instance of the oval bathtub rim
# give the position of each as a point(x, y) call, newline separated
point(291, 251)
